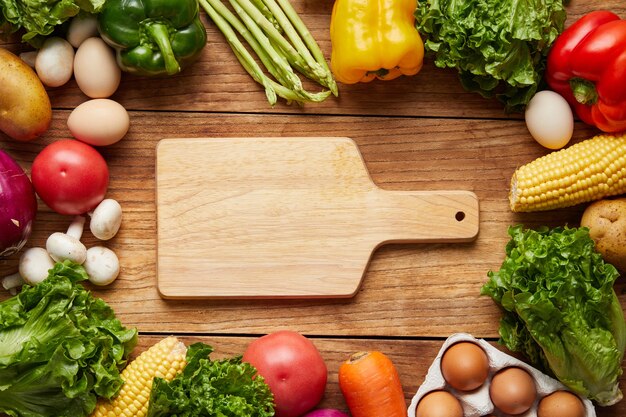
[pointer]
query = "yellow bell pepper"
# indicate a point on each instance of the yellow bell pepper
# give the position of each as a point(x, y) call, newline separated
point(374, 39)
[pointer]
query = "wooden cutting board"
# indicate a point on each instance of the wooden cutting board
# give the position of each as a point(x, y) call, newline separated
point(285, 217)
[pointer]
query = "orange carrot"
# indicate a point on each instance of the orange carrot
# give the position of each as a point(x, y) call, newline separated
point(371, 386)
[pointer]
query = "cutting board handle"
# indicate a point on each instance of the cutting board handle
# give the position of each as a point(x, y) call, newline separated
point(424, 217)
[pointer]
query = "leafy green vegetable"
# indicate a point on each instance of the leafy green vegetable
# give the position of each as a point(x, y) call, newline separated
point(39, 18)
point(206, 388)
point(560, 309)
point(60, 348)
point(498, 47)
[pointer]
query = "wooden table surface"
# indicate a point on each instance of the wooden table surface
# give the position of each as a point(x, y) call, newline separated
point(415, 133)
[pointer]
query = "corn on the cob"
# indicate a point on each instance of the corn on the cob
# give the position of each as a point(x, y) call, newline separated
point(165, 360)
point(587, 171)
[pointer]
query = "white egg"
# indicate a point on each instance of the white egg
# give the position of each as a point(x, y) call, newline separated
point(95, 69)
point(549, 119)
point(99, 122)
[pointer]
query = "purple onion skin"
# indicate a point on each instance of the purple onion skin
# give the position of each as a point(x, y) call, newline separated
point(18, 206)
point(326, 412)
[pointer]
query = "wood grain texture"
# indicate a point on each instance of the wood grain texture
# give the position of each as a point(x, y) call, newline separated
point(285, 217)
point(425, 290)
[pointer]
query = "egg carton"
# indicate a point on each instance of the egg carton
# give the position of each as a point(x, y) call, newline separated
point(477, 403)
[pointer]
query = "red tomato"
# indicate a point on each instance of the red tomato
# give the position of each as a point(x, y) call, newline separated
point(70, 176)
point(292, 367)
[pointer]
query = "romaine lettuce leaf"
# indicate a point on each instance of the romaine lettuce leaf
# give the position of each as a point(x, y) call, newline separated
point(498, 47)
point(560, 309)
point(39, 18)
point(60, 348)
point(206, 388)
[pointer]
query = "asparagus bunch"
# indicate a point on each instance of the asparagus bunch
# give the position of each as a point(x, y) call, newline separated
point(284, 45)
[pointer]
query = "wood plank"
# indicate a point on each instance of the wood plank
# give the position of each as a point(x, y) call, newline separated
point(218, 83)
point(426, 290)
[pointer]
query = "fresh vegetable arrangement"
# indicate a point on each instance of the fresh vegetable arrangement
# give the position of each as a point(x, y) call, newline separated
point(498, 47)
point(556, 291)
point(586, 66)
point(560, 309)
point(60, 348)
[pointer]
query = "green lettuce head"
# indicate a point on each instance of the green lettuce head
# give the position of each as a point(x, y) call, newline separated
point(560, 309)
point(60, 348)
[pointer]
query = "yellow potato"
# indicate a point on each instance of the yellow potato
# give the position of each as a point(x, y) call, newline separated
point(25, 110)
point(606, 220)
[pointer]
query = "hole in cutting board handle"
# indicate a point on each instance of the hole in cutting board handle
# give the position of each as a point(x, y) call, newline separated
point(459, 216)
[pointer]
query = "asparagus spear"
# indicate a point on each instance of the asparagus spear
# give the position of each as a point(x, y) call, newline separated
point(269, 52)
point(285, 73)
point(266, 12)
point(271, 32)
point(244, 57)
point(249, 37)
point(309, 41)
point(313, 69)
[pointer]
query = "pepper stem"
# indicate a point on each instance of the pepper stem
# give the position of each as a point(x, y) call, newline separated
point(160, 35)
point(584, 91)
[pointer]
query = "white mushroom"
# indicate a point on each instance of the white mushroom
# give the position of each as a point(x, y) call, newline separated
point(106, 219)
point(101, 265)
point(82, 26)
point(55, 62)
point(33, 268)
point(29, 57)
point(11, 282)
point(34, 265)
point(62, 246)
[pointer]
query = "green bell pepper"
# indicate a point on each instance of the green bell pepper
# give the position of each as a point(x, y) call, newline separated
point(153, 37)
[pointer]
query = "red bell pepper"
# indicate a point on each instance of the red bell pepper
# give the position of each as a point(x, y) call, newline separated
point(587, 66)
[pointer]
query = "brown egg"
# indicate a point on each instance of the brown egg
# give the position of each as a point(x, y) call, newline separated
point(439, 404)
point(561, 404)
point(465, 366)
point(513, 390)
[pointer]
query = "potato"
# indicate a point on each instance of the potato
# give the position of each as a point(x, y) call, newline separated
point(25, 110)
point(606, 220)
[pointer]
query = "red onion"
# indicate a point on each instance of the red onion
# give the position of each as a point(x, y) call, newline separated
point(325, 412)
point(18, 206)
